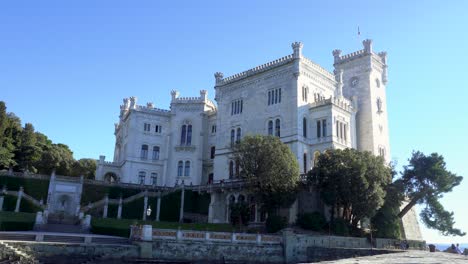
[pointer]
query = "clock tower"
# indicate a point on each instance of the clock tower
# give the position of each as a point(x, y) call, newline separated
point(365, 80)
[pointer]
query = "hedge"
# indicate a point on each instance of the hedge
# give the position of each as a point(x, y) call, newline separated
point(121, 227)
point(36, 188)
point(11, 221)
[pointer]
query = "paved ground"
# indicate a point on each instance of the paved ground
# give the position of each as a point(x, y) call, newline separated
point(409, 257)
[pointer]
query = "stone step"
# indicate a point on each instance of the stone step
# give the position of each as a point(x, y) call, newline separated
point(62, 228)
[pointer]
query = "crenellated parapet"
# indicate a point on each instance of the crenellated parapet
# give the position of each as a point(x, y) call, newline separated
point(367, 50)
point(261, 68)
point(202, 99)
point(340, 102)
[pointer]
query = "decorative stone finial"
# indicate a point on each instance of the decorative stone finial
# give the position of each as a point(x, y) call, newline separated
point(102, 158)
point(367, 46)
point(218, 77)
point(174, 94)
point(297, 49)
point(149, 105)
point(133, 102)
point(336, 55)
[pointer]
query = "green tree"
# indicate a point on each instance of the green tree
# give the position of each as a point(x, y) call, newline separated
point(27, 152)
point(270, 169)
point(6, 141)
point(55, 156)
point(425, 181)
point(386, 222)
point(352, 181)
point(85, 167)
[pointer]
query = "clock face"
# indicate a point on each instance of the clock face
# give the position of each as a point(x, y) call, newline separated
point(354, 81)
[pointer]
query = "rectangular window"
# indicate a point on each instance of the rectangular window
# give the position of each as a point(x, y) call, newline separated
point(324, 127)
point(318, 129)
point(157, 128)
point(274, 96)
point(147, 127)
point(345, 131)
point(341, 130)
point(213, 129)
point(236, 107)
point(337, 129)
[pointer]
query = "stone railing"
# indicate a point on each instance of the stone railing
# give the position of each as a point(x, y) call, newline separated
point(147, 233)
point(61, 237)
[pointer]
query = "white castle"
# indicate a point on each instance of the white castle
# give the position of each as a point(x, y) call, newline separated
point(309, 108)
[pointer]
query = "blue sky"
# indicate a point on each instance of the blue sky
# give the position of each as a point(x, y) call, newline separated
point(66, 65)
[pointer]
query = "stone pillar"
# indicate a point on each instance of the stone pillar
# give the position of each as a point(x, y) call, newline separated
point(1, 202)
point(106, 206)
point(211, 207)
point(39, 222)
point(147, 233)
point(51, 192)
point(158, 207)
point(86, 222)
point(289, 244)
point(119, 210)
point(18, 201)
point(10, 171)
point(256, 213)
point(182, 198)
point(145, 206)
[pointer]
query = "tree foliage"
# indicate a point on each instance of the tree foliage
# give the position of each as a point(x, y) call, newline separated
point(270, 169)
point(351, 182)
point(25, 149)
point(425, 181)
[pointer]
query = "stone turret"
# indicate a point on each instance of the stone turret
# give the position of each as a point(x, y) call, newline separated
point(297, 49)
point(218, 77)
point(174, 94)
point(339, 82)
point(367, 46)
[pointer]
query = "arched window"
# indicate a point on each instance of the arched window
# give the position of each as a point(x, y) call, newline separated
point(305, 162)
point(238, 135)
point(231, 169)
point(186, 135)
point(270, 128)
point(189, 135)
point(278, 128)
point(183, 135)
point(180, 168)
point(233, 135)
point(154, 178)
point(212, 153)
point(237, 169)
point(144, 152)
point(304, 127)
point(142, 176)
point(155, 153)
point(187, 169)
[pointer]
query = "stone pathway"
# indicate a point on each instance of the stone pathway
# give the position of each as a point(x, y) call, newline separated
point(408, 257)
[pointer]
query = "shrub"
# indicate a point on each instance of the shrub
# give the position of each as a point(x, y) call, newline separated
point(339, 227)
point(275, 223)
point(36, 188)
point(11, 221)
point(311, 221)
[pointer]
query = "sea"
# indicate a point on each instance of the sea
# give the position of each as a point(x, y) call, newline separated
point(444, 246)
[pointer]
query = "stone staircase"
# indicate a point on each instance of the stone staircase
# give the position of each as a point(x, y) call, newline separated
point(62, 224)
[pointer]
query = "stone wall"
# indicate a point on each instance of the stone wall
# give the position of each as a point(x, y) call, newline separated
point(203, 251)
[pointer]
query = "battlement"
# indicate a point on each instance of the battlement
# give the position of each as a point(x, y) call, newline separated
point(367, 43)
point(203, 98)
point(261, 68)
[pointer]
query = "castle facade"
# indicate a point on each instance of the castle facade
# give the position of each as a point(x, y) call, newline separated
point(309, 108)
